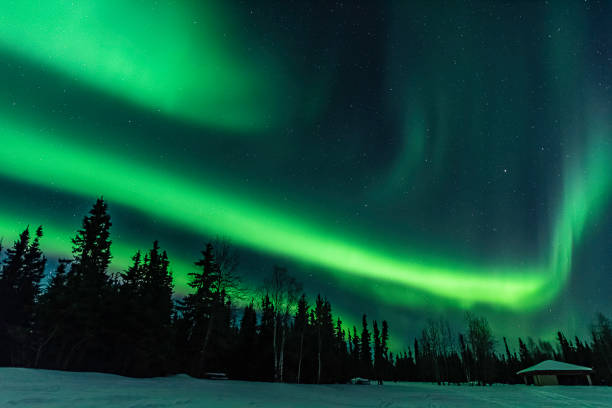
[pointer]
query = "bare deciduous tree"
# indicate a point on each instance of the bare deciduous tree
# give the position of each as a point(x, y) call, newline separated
point(283, 291)
point(227, 260)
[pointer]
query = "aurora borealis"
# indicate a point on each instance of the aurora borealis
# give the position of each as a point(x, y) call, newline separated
point(409, 158)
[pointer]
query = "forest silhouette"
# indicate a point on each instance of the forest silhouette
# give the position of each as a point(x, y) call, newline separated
point(82, 317)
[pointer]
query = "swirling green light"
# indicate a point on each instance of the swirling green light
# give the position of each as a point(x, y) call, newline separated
point(40, 158)
point(183, 59)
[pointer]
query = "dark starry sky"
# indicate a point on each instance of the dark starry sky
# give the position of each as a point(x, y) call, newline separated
point(409, 160)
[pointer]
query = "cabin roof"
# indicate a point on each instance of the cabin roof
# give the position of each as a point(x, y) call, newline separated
point(552, 366)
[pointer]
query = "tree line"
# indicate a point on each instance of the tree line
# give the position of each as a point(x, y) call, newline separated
point(83, 318)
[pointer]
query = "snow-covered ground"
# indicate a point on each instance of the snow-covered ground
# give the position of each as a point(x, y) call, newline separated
point(21, 387)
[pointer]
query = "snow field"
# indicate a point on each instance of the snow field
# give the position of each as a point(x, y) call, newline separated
point(20, 387)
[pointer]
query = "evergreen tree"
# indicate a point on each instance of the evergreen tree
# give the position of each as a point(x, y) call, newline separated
point(20, 276)
point(133, 278)
point(377, 354)
point(508, 355)
point(342, 371)
point(245, 367)
point(365, 349)
point(356, 353)
point(199, 310)
point(91, 291)
point(567, 352)
point(130, 311)
point(91, 245)
point(387, 359)
point(583, 353)
point(525, 356)
point(51, 324)
point(418, 362)
point(325, 339)
point(145, 315)
point(601, 332)
point(265, 339)
point(300, 325)
point(511, 366)
point(34, 270)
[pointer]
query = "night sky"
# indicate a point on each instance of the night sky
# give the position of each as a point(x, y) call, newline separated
point(408, 160)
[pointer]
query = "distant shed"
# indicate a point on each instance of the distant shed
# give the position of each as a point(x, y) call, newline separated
point(551, 372)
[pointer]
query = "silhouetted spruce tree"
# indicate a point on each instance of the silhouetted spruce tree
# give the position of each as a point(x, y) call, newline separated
point(512, 366)
point(158, 305)
point(89, 337)
point(418, 362)
point(365, 349)
point(198, 311)
point(567, 350)
point(405, 369)
point(300, 324)
point(377, 353)
point(144, 316)
point(130, 325)
point(583, 353)
point(601, 333)
point(245, 364)
point(525, 356)
point(325, 340)
point(51, 324)
point(212, 302)
point(387, 359)
point(500, 367)
point(309, 360)
point(341, 353)
point(456, 373)
point(356, 354)
point(507, 349)
point(20, 276)
point(411, 366)
point(264, 340)
point(133, 277)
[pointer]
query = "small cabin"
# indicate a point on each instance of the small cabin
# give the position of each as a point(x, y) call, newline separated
point(360, 381)
point(551, 372)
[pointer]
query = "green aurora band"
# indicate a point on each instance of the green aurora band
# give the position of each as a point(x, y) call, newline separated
point(37, 157)
point(189, 62)
point(169, 62)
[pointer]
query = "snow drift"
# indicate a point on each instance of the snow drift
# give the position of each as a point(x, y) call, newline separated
point(20, 387)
